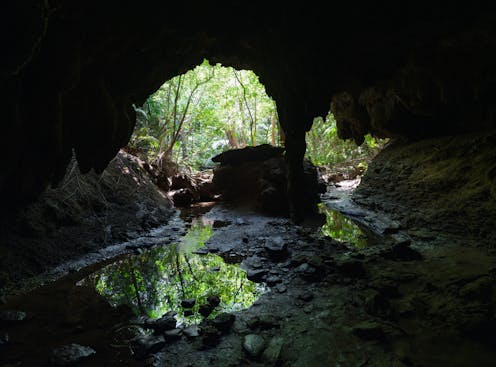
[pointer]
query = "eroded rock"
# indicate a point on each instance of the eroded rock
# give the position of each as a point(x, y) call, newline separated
point(70, 354)
point(254, 345)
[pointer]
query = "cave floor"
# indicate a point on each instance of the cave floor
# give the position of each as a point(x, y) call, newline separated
point(406, 299)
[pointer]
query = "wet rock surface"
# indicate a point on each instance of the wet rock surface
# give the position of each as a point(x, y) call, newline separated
point(328, 304)
point(71, 354)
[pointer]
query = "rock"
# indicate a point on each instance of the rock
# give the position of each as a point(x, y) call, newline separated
point(403, 252)
point(248, 154)
point(378, 305)
point(263, 322)
point(256, 275)
point(480, 289)
point(188, 313)
point(253, 345)
point(205, 309)
point(386, 287)
point(4, 338)
point(192, 331)
point(181, 182)
point(210, 336)
point(182, 197)
point(281, 288)
point(308, 308)
point(143, 345)
point(273, 351)
point(172, 335)
point(252, 262)
point(188, 303)
point(221, 223)
point(306, 296)
point(70, 354)
point(276, 248)
point(352, 269)
point(308, 272)
point(368, 330)
point(272, 280)
point(11, 316)
point(223, 321)
point(214, 301)
point(166, 322)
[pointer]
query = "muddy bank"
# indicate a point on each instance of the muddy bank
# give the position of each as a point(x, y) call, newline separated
point(440, 185)
point(83, 214)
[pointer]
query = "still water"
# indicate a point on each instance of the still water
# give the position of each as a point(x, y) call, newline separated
point(158, 280)
point(341, 228)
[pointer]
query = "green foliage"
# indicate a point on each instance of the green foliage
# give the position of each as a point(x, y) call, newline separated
point(158, 280)
point(341, 229)
point(203, 112)
point(324, 147)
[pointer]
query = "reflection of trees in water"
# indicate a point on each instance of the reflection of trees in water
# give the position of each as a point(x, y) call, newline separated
point(341, 229)
point(158, 280)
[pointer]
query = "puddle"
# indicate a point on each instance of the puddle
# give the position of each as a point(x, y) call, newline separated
point(341, 228)
point(158, 280)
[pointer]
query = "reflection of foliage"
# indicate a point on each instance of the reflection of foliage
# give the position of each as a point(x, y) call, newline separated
point(157, 281)
point(341, 229)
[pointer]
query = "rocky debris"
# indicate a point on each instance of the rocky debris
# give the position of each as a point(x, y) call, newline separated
point(263, 322)
point(192, 331)
point(378, 305)
point(306, 296)
point(221, 223)
point(166, 322)
point(386, 287)
point(223, 321)
point(309, 272)
point(181, 197)
point(144, 345)
point(188, 313)
point(254, 345)
point(481, 289)
point(70, 354)
point(256, 275)
point(273, 280)
point(273, 351)
point(188, 303)
point(11, 316)
point(276, 247)
point(214, 301)
point(181, 181)
point(369, 330)
point(4, 338)
point(210, 335)
point(403, 252)
point(173, 334)
point(352, 268)
point(205, 309)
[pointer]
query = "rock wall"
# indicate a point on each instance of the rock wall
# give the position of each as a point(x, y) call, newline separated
point(72, 70)
point(445, 185)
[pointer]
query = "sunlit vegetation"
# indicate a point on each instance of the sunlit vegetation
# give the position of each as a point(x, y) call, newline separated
point(213, 108)
point(158, 280)
point(325, 148)
point(203, 112)
point(342, 229)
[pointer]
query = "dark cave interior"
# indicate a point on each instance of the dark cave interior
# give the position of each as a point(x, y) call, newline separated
point(422, 75)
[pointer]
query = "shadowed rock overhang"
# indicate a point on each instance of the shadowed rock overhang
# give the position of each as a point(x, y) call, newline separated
point(72, 70)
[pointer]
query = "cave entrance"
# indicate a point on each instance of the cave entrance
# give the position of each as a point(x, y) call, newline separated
point(197, 115)
point(337, 159)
